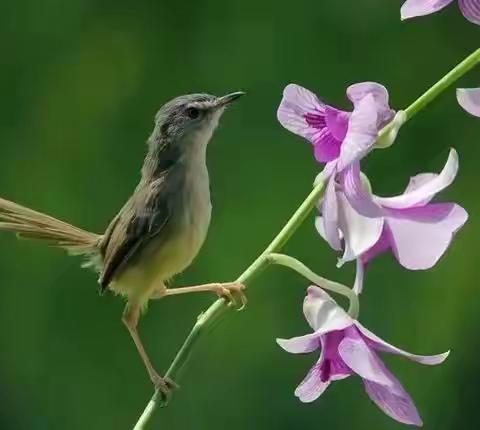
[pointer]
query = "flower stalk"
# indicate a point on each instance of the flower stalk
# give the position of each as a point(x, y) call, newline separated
point(326, 284)
point(450, 78)
point(213, 314)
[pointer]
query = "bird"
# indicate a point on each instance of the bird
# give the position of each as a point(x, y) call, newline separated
point(160, 229)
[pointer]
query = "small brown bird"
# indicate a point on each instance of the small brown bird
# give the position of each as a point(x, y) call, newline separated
point(161, 227)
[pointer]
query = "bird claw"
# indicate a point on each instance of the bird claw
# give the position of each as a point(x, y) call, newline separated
point(165, 386)
point(233, 292)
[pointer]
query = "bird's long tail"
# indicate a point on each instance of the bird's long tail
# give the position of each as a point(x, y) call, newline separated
point(30, 224)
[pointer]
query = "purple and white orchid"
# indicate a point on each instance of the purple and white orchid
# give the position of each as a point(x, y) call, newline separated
point(338, 137)
point(469, 99)
point(413, 8)
point(348, 348)
point(417, 231)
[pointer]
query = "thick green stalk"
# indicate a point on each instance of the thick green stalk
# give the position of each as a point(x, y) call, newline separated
point(217, 309)
point(449, 79)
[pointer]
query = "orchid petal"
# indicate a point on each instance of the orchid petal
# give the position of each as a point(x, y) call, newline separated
point(383, 243)
point(322, 312)
point(319, 225)
point(325, 147)
point(359, 276)
point(469, 99)
point(300, 344)
point(380, 345)
point(419, 180)
point(427, 190)
point(357, 92)
point(360, 232)
point(337, 122)
point(302, 113)
point(362, 360)
point(393, 400)
point(320, 228)
point(324, 175)
point(337, 370)
point(382, 387)
point(362, 132)
point(330, 215)
point(358, 197)
point(296, 103)
point(470, 10)
point(333, 368)
point(421, 235)
point(312, 386)
point(413, 8)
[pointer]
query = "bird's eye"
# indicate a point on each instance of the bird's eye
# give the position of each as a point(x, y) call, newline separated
point(193, 112)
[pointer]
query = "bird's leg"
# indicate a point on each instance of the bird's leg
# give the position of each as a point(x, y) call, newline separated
point(130, 318)
point(233, 292)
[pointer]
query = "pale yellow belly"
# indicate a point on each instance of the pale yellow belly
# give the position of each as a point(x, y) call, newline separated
point(159, 261)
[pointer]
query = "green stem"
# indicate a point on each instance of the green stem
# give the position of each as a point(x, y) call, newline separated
point(449, 79)
point(385, 140)
point(326, 284)
point(217, 309)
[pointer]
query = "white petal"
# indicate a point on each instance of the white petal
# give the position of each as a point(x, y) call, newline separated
point(357, 92)
point(419, 180)
point(380, 345)
point(362, 132)
point(358, 192)
point(421, 235)
point(322, 312)
point(414, 8)
point(300, 344)
point(360, 232)
point(427, 190)
point(359, 275)
point(330, 215)
point(469, 99)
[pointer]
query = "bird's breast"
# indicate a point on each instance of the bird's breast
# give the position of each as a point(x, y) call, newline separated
point(196, 210)
point(173, 251)
point(174, 248)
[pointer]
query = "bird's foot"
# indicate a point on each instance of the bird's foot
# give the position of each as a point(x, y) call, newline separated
point(165, 386)
point(233, 292)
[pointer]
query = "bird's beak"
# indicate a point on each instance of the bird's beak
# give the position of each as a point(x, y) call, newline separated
point(229, 99)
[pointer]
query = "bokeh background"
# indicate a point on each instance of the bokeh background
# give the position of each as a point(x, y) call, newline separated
point(80, 82)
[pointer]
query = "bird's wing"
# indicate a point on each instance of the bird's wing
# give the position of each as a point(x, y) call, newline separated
point(143, 217)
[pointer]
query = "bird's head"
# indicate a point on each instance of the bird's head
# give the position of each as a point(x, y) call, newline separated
point(192, 118)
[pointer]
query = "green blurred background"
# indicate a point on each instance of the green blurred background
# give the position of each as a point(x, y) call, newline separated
point(80, 82)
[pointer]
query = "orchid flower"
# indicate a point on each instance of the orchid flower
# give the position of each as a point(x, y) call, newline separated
point(469, 99)
point(347, 348)
point(413, 8)
point(339, 138)
point(417, 231)
point(337, 135)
